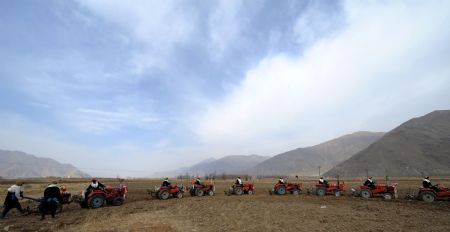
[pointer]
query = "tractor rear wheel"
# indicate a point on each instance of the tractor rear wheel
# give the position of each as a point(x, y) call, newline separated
point(427, 196)
point(238, 191)
point(199, 192)
point(211, 193)
point(96, 201)
point(366, 193)
point(118, 201)
point(163, 195)
point(179, 195)
point(321, 192)
point(280, 190)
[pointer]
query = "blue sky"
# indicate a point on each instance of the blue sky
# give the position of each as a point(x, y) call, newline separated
point(136, 87)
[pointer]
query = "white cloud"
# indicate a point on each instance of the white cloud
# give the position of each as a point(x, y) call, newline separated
point(158, 25)
point(100, 122)
point(316, 21)
point(225, 25)
point(388, 55)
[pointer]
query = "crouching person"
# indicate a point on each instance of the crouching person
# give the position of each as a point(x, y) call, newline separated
point(12, 198)
point(52, 197)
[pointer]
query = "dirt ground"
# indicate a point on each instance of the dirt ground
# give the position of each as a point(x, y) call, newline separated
point(259, 212)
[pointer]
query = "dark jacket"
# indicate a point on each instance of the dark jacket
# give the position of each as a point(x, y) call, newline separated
point(369, 183)
point(166, 183)
point(100, 186)
point(52, 193)
point(427, 184)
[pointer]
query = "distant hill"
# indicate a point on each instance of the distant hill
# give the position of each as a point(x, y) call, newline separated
point(305, 161)
point(16, 164)
point(418, 146)
point(233, 164)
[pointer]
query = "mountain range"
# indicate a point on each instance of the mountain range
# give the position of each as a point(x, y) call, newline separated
point(306, 161)
point(420, 146)
point(16, 164)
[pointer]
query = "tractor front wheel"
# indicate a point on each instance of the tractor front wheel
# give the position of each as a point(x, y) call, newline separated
point(387, 196)
point(179, 195)
point(211, 193)
point(250, 192)
point(427, 196)
point(295, 192)
point(366, 193)
point(117, 201)
point(96, 201)
point(337, 193)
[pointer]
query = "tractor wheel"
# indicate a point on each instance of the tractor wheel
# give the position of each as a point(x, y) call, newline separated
point(295, 192)
point(250, 192)
point(387, 196)
point(117, 201)
point(179, 195)
point(96, 201)
point(366, 193)
point(199, 192)
point(281, 190)
point(427, 196)
point(211, 193)
point(238, 191)
point(321, 192)
point(164, 195)
point(337, 193)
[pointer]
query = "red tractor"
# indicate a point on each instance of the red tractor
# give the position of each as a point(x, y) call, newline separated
point(164, 192)
point(239, 189)
point(388, 191)
point(289, 187)
point(335, 189)
point(430, 195)
point(97, 198)
point(201, 190)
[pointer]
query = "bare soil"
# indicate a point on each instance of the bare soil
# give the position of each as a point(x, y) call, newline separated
point(259, 212)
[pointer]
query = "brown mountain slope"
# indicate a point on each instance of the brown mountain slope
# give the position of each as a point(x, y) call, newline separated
point(16, 164)
point(305, 161)
point(418, 146)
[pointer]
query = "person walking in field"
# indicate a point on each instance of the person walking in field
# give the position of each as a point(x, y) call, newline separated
point(52, 197)
point(12, 198)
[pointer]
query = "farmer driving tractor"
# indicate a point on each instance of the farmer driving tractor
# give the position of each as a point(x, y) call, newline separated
point(426, 182)
point(94, 185)
point(166, 183)
point(370, 183)
point(238, 181)
point(322, 180)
